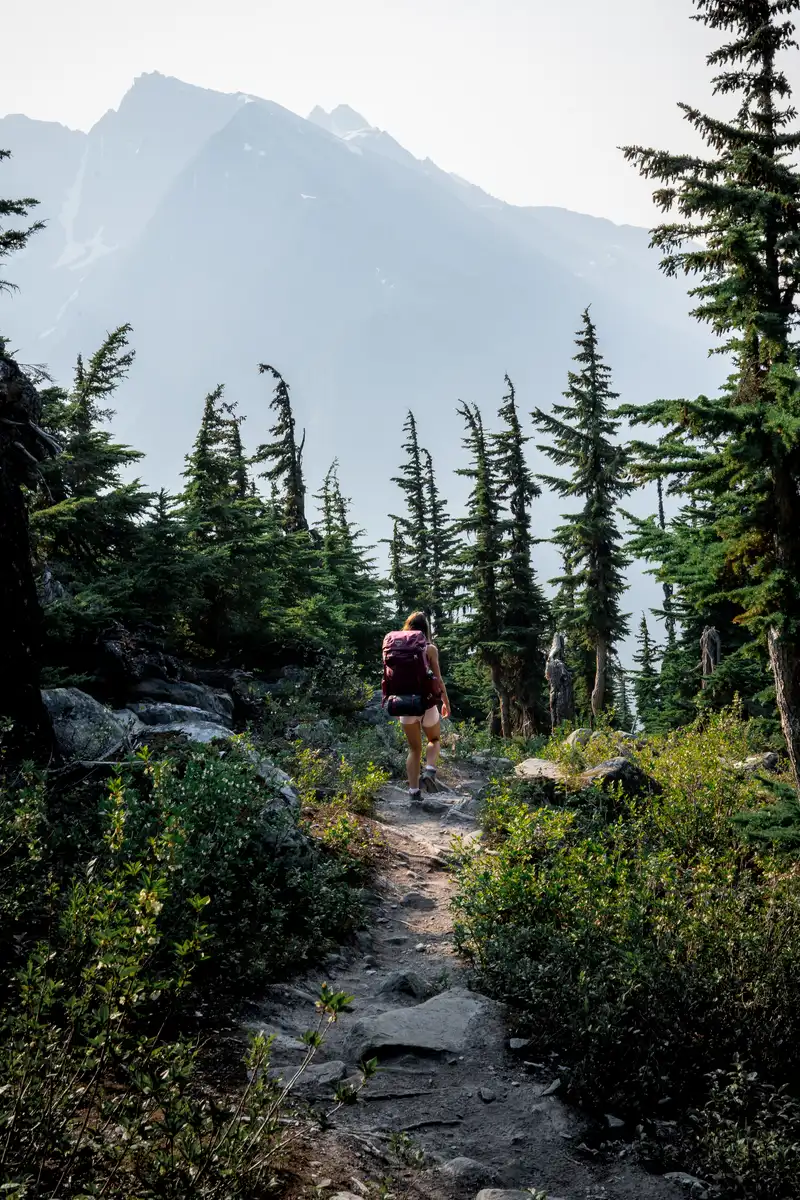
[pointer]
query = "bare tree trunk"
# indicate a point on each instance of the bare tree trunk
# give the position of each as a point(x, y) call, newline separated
point(784, 658)
point(599, 690)
point(500, 688)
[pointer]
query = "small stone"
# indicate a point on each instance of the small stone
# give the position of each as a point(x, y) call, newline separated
point(420, 947)
point(418, 901)
point(397, 939)
point(614, 1122)
point(502, 1194)
point(487, 1095)
point(406, 983)
point(518, 1044)
point(697, 1189)
point(553, 1088)
point(469, 1171)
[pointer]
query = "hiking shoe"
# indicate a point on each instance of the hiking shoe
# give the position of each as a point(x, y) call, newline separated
point(428, 780)
point(414, 796)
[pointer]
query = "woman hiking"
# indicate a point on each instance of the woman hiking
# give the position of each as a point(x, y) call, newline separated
point(413, 691)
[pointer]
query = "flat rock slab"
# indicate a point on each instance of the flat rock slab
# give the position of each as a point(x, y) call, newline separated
point(540, 770)
point(418, 901)
point(450, 1023)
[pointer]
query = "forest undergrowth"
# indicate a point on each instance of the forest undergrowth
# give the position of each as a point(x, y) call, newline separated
point(137, 914)
point(653, 943)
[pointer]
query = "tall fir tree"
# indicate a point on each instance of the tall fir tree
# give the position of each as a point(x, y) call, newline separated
point(622, 701)
point(646, 683)
point(227, 530)
point(14, 238)
point(737, 233)
point(567, 620)
point(23, 446)
point(580, 435)
point(403, 586)
point(479, 563)
point(412, 548)
point(284, 454)
point(443, 543)
point(525, 617)
point(355, 593)
point(86, 513)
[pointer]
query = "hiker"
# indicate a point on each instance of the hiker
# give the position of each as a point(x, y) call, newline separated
point(414, 691)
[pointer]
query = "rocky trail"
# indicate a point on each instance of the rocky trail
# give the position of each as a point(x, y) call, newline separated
point(457, 1108)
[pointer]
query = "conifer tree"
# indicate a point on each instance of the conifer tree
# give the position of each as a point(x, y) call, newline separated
point(355, 594)
point(525, 618)
point(442, 543)
point(646, 680)
point(85, 515)
point(479, 562)
point(566, 620)
point(580, 438)
point(14, 239)
point(737, 233)
point(211, 474)
point(285, 455)
point(622, 702)
point(403, 587)
point(23, 445)
point(227, 530)
point(667, 587)
point(412, 539)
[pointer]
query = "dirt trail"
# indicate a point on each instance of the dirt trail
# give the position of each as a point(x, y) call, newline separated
point(448, 1078)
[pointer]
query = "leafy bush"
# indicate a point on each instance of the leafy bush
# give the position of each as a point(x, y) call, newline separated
point(747, 1136)
point(650, 949)
point(95, 1099)
point(279, 897)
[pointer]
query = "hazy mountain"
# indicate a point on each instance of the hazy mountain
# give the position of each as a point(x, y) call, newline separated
point(230, 231)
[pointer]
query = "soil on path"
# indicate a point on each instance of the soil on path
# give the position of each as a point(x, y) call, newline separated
point(452, 1098)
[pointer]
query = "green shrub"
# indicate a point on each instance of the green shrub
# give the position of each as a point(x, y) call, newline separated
point(650, 949)
point(747, 1136)
point(280, 898)
point(95, 1100)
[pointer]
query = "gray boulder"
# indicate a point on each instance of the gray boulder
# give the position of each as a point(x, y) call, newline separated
point(469, 1173)
point(546, 775)
point(193, 729)
point(491, 762)
point(405, 983)
point(418, 901)
point(157, 713)
point(758, 762)
point(450, 1023)
point(218, 704)
point(373, 712)
point(579, 738)
point(633, 780)
point(285, 796)
point(83, 728)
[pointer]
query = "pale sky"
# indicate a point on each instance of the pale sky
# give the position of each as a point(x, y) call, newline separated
point(528, 98)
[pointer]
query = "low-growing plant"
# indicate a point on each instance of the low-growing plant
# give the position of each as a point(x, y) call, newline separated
point(95, 1098)
point(649, 948)
point(465, 739)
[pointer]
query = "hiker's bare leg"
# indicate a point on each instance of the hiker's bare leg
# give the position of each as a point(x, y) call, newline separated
point(413, 734)
point(433, 733)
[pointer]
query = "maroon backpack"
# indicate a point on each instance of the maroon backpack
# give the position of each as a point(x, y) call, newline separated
point(408, 687)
